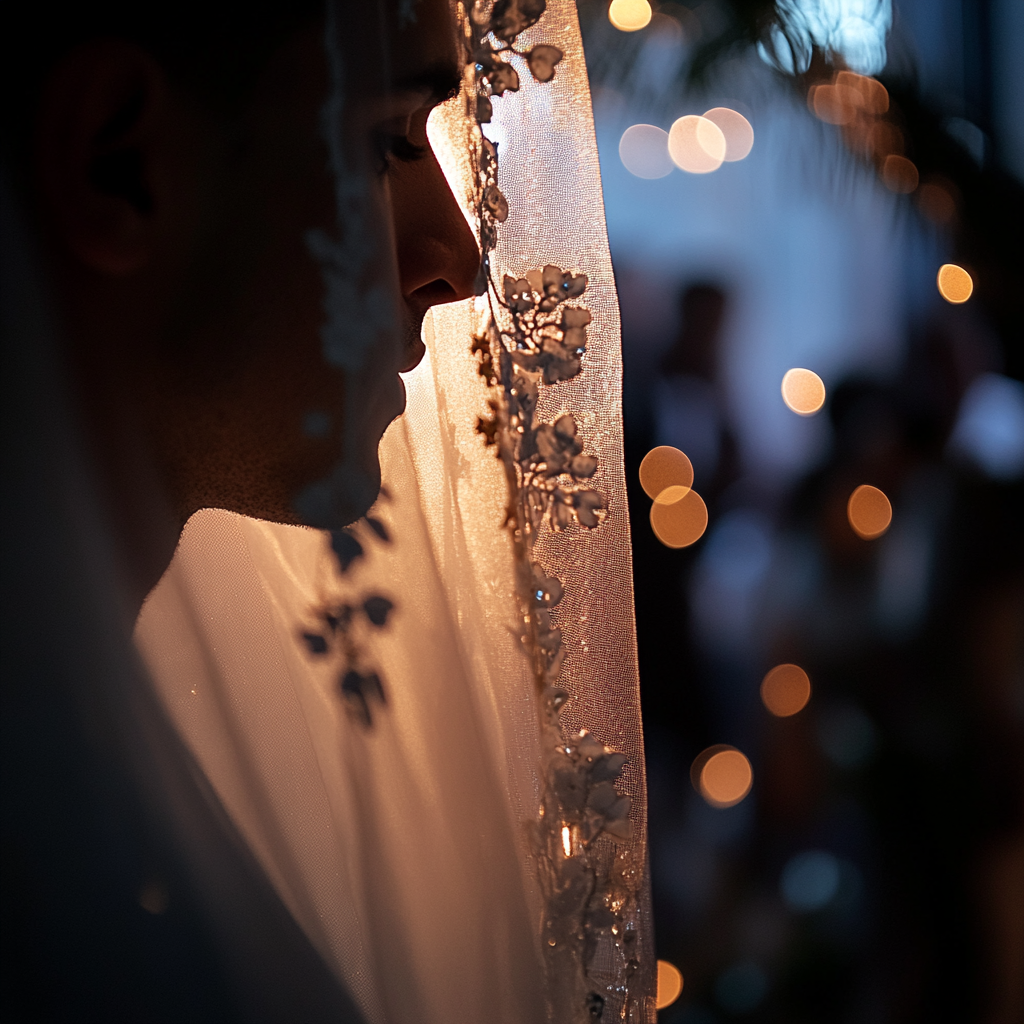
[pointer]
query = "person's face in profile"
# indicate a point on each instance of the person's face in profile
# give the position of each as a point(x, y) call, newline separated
point(197, 308)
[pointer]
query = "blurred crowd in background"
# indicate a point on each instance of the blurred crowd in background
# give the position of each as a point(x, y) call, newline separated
point(870, 865)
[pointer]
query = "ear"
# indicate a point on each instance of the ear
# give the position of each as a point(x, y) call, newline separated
point(96, 150)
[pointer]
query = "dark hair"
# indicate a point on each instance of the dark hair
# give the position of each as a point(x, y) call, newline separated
point(216, 48)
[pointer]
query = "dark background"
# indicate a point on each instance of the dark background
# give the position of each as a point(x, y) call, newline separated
point(875, 872)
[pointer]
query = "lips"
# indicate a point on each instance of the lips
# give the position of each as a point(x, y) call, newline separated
point(415, 350)
point(415, 354)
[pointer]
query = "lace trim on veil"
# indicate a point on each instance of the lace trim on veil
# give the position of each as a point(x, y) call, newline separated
point(532, 335)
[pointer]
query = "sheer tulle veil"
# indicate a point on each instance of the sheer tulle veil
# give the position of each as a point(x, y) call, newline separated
point(400, 835)
point(423, 730)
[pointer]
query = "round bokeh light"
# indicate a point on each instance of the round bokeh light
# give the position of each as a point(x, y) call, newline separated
point(803, 391)
point(670, 984)
point(738, 132)
point(630, 15)
point(643, 150)
point(955, 284)
point(785, 690)
point(722, 775)
point(679, 523)
point(696, 144)
point(665, 467)
point(869, 512)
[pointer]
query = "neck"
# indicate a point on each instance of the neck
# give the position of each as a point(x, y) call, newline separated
point(145, 528)
point(133, 496)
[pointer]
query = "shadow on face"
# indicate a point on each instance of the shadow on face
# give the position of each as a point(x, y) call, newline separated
point(177, 222)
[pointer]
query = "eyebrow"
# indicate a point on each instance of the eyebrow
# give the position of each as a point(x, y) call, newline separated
point(442, 80)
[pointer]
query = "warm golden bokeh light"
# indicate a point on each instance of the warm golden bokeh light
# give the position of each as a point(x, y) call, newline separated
point(874, 98)
point(869, 512)
point(738, 132)
point(696, 144)
point(726, 778)
point(665, 467)
point(803, 391)
point(955, 284)
point(899, 174)
point(671, 495)
point(681, 523)
point(785, 690)
point(566, 841)
point(834, 104)
point(848, 97)
point(630, 15)
point(670, 984)
point(697, 765)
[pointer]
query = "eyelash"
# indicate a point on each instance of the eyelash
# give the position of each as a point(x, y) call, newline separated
point(397, 147)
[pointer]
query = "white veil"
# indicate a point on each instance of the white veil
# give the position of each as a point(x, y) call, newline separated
point(373, 734)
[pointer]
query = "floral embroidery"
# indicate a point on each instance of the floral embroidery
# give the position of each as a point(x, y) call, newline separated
point(536, 336)
point(340, 627)
point(489, 36)
point(544, 344)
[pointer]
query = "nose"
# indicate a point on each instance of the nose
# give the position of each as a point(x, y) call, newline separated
point(438, 257)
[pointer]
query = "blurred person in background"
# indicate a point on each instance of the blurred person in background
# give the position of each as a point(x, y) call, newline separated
point(688, 401)
point(909, 763)
point(876, 870)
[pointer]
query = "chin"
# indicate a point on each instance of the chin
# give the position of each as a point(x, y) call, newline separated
point(352, 485)
point(341, 498)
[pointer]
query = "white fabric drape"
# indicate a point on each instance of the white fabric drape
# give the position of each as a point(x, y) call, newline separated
point(402, 849)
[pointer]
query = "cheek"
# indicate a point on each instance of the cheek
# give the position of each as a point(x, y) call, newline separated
point(282, 314)
point(258, 376)
point(287, 192)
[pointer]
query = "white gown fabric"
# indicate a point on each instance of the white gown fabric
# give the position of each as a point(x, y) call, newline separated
point(399, 839)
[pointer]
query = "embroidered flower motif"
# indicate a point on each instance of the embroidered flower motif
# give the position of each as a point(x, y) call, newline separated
point(360, 692)
point(510, 17)
point(496, 203)
point(487, 37)
point(316, 643)
point(341, 627)
point(377, 609)
point(535, 337)
point(587, 505)
point(544, 344)
point(503, 78)
point(542, 61)
point(346, 548)
point(547, 590)
point(581, 790)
